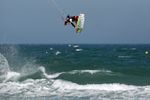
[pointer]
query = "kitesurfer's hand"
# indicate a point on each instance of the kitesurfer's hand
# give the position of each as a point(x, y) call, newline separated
point(70, 20)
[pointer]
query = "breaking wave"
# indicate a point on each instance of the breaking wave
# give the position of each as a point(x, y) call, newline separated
point(4, 67)
point(55, 75)
point(62, 89)
point(7, 75)
point(39, 83)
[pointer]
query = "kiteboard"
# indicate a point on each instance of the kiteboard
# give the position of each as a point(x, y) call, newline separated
point(80, 23)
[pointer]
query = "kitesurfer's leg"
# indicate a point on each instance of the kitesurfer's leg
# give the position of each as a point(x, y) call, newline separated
point(73, 24)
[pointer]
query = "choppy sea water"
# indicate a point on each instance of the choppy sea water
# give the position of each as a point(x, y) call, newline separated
point(70, 72)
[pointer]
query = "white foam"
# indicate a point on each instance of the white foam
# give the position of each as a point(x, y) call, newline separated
point(51, 48)
point(54, 75)
point(57, 53)
point(61, 88)
point(12, 76)
point(65, 85)
point(146, 52)
point(27, 88)
point(15, 76)
point(79, 50)
point(76, 46)
point(95, 91)
point(4, 66)
point(42, 69)
point(69, 45)
point(89, 71)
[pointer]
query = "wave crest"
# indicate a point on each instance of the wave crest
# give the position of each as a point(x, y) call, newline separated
point(89, 71)
point(63, 85)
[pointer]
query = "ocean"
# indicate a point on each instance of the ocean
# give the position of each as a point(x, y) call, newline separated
point(74, 72)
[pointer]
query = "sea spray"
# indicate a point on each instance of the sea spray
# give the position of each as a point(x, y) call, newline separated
point(27, 71)
point(4, 67)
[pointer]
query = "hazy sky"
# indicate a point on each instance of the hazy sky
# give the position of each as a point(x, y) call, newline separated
point(107, 21)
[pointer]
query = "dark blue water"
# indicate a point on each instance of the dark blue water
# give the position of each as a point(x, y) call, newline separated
point(75, 71)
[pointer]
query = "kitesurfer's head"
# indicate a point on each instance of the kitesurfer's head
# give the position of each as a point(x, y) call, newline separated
point(68, 16)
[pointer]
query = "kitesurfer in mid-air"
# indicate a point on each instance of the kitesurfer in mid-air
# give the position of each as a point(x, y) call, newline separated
point(76, 21)
point(71, 19)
